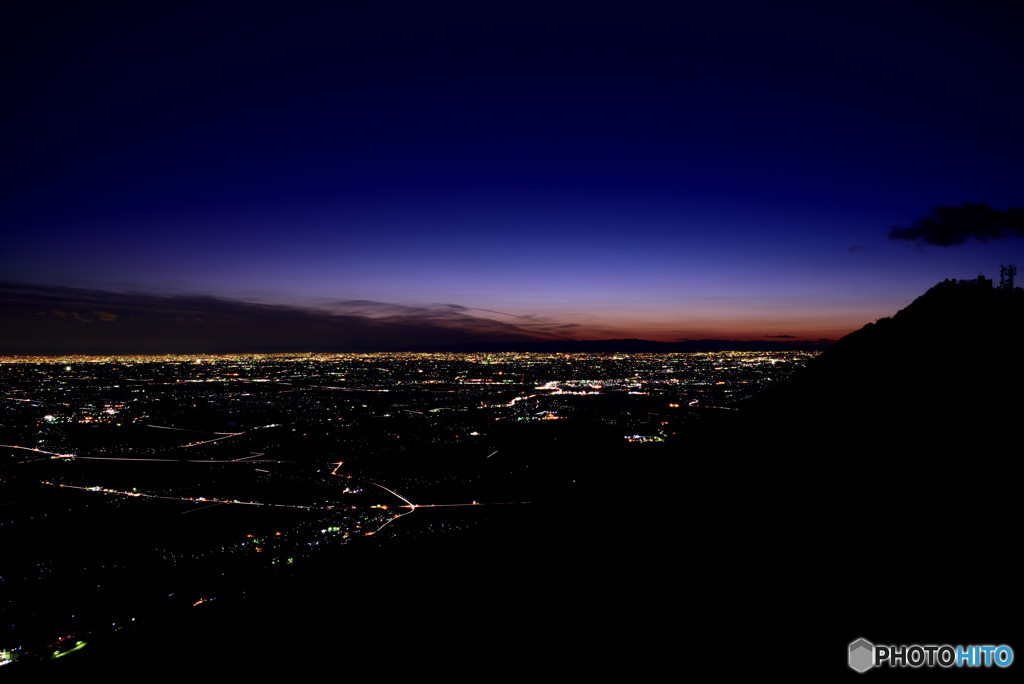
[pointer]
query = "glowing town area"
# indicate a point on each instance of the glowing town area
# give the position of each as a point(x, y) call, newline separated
point(132, 488)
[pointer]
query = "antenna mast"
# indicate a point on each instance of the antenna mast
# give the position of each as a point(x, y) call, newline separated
point(1006, 274)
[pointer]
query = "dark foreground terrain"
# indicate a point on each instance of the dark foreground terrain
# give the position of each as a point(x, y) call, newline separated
point(872, 494)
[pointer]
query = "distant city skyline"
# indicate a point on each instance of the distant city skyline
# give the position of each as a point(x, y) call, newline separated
point(503, 172)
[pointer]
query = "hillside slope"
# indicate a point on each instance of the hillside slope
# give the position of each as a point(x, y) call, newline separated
point(884, 478)
point(946, 367)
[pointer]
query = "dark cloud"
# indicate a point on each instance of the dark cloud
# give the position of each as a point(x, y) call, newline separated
point(949, 225)
point(781, 337)
point(60, 320)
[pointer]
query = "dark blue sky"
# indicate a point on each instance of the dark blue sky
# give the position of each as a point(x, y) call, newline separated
point(674, 170)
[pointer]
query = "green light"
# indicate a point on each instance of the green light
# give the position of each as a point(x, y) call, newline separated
point(78, 645)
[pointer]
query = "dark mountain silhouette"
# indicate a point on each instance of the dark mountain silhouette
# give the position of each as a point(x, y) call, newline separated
point(946, 367)
point(882, 480)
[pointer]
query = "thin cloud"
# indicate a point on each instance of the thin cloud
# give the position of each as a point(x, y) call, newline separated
point(54, 320)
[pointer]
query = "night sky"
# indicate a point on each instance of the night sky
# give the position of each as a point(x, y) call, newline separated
point(451, 172)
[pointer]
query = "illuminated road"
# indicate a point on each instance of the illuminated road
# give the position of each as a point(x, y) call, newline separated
point(202, 508)
point(225, 435)
point(183, 499)
point(217, 502)
point(36, 450)
point(409, 504)
point(208, 461)
point(210, 501)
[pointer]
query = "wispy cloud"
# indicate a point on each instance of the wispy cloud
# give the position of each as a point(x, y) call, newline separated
point(48, 319)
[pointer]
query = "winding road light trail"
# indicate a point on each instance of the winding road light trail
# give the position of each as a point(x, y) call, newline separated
point(390, 491)
point(409, 504)
point(217, 502)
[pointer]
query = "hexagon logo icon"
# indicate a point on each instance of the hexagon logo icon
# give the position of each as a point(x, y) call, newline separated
point(862, 655)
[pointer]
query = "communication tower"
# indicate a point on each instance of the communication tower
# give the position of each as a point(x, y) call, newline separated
point(1006, 274)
